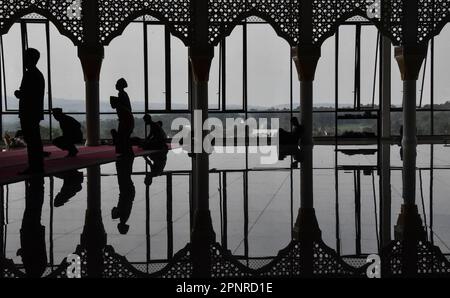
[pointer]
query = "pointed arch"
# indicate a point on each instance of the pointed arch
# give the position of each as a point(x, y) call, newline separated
point(67, 22)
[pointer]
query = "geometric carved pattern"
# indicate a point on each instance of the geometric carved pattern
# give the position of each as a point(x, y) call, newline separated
point(327, 15)
point(286, 264)
point(9, 270)
point(326, 263)
point(117, 266)
point(285, 16)
point(392, 17)
point(179, 267)
point(432, 16)
point(430, 260)
point(115, 15)
point(223, 265)
point(224, 15)
point(65, 15)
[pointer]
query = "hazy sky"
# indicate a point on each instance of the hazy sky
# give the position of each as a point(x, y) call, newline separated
point(268, 67)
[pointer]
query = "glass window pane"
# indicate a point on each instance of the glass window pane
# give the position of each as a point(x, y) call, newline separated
point(12, 51)
point(369, 66)
point(156, 67)
point(234, 69)
point(37, 39)
point(268, 69)
point(180, 74)
point(67, 75)
point(346, 73)
point(441, 67)
point(214, 95)
point(123, 59)
point(324, 83)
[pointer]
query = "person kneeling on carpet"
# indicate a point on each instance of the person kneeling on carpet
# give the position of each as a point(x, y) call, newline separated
point(71, 132)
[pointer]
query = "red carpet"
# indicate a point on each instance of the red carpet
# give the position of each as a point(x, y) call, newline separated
point(14, 161)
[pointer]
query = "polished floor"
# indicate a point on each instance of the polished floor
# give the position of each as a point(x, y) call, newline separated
point(261, 205)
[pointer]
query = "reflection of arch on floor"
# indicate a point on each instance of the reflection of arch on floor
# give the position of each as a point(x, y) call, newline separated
point(431, 263)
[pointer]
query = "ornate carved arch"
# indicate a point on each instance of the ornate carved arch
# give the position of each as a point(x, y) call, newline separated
point(327, 17)
point(65, 15)
point(115, 15)
point(282, 15)
point(433, 15)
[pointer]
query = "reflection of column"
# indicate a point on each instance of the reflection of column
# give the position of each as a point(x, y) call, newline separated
point(202, 231)
point(2, 222)
point(93, 238)
point(91, 60)
point(409, 225)
point(306, 228)
point(385, 141)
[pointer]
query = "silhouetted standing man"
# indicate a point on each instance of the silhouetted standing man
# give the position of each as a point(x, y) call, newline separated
point(31, 110)
point(121, 137)
point(71, 132)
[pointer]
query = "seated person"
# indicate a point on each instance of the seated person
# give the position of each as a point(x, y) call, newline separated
point(293, 137)
point(71, 133)
point(16, 142)
point(157, 137)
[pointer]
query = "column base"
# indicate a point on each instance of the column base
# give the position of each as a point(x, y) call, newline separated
point(306, 227)
point(409, 225)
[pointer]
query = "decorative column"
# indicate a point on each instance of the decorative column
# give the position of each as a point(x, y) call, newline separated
point(306, 228)
point(93, 238)
point(200, 57)
point(202, 232)
point(409, 228)
point(409, 59)
point(91, 54)
point(91, 58)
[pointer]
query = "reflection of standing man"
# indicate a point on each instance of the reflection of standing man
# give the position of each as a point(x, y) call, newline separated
point(31, 110)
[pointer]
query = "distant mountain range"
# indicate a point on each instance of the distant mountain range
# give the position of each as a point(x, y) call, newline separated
point(79, 106)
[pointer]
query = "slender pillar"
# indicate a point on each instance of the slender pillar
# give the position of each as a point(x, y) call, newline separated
point(202, 232)
point(306, 229)
point(93, 238)
point(91, 58)
point(410, 59)
point(91, 54)
point(306, 59)
point(385, 200)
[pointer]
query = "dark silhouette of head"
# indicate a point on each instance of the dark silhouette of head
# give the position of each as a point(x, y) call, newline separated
point(19, 134)
point(147, 118)
point(31, 58)
point(294, 121)
point(121, 84)
point(57, 113)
